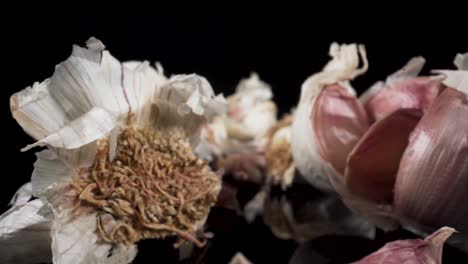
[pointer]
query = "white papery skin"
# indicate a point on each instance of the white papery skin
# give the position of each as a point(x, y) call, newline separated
point(342, 68)
point(89, 97)
point(24, 233)
point(251, 113)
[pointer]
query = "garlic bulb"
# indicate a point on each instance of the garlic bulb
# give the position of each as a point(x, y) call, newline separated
point(421, 251)
point(402, 89)
point(329, 119)
point(119, 166)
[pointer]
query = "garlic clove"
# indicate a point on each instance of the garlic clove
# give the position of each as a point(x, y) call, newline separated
point(373, 164)
point(431, 183)
point(402, 89)
point(339, 120)
point(329, 116)
point(428, 250)
point(416, 93)
point(323, 137)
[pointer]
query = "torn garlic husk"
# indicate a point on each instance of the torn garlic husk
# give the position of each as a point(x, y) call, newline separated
point(120, 165)
point(421, 251)
point(280, 167)
point(24, 232)
point(251, 113)
point(329, 119)
point(402, 90)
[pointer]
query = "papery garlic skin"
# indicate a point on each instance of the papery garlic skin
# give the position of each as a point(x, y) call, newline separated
point(417, 251)
point(251, 113)
point(306, 148)
point(24, 232)
point(402, 90)
point(81, 114)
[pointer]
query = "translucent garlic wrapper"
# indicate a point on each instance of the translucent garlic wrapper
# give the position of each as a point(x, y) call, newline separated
point(119, 165)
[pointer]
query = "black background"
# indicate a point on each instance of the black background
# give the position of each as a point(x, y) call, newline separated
point(223, 43)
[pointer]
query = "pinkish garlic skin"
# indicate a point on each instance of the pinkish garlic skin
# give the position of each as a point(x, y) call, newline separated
point(411, 251)
point(432, 180)
point(339, 120)
point(418, 93)
point(373, 164)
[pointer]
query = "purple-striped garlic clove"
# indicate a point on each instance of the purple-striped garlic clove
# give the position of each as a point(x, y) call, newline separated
point(433, 176)
point(329, 119)
point(338, 121)
point(402, 90)
point(411, 251)
point(373, 164)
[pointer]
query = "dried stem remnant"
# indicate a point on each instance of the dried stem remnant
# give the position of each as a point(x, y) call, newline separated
point(155, 186)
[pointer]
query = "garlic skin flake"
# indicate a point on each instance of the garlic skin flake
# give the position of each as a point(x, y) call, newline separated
point(339, 121)
point(105, 123)
point(24, 232)
point(417, 251)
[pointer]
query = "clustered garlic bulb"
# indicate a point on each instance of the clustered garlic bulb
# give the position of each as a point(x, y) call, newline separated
point(396, 153)
point(119, 165)
point(131, 154)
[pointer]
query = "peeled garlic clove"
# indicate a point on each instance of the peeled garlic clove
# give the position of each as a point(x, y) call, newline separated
point(329, 119)
point(432, 179)
point(402, 90)
point(373, 164)
point(428, 250)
